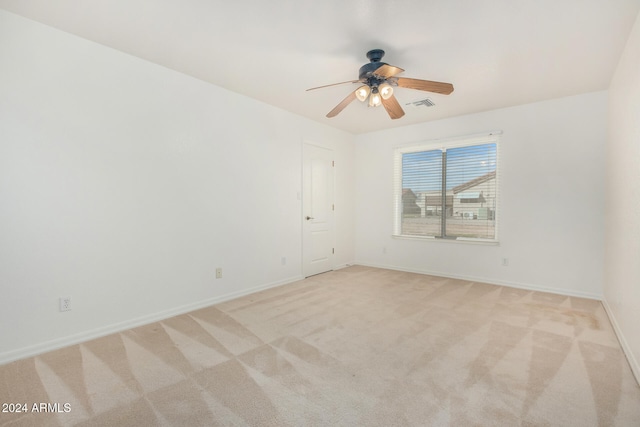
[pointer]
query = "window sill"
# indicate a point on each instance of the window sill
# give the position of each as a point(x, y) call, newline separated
point(458, 240)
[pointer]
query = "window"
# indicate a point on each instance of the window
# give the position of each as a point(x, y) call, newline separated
point(448, 189)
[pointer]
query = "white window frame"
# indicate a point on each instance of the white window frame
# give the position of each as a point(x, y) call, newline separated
point(443, 144)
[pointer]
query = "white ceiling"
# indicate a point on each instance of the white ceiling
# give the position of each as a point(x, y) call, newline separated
point(497, 53)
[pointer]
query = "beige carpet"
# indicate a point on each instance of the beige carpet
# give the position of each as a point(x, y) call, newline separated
point(354, 347)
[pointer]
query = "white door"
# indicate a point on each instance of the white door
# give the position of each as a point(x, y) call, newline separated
point(317, 210)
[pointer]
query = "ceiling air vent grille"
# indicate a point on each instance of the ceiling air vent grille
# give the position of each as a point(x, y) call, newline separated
point(422, 103)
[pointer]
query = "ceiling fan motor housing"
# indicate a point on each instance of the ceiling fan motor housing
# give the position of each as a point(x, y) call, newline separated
point(375, 55)
point(367, 70)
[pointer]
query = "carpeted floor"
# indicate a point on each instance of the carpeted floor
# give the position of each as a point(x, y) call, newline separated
point(355, 347)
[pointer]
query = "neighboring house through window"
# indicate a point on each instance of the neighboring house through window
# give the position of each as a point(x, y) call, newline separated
point(448, 189)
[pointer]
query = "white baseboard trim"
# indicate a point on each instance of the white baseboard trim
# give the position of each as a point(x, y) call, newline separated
point(44, 347)
point(626, 348)
point(341, 266)
point(526, 286)
point(58, 343)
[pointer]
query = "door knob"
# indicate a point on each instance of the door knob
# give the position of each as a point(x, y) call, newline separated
point(309, 217)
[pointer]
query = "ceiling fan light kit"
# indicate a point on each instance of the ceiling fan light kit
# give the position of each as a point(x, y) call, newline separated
point(362, 93)
point(378, 79)
point(385, 90)
point(374, 99)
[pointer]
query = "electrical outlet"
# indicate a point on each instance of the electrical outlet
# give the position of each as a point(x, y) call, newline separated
point(218, 273)
point(65, 303)
point(283, 261)
point(505, 262)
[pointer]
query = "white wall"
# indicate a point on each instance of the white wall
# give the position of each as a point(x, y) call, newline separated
point(124, 185)
point(552, 198)
point(622, 245)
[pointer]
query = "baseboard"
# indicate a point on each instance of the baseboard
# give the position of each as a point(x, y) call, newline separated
point(341, 266)
point(526, 286)
point(626, 348)
point(44, 347)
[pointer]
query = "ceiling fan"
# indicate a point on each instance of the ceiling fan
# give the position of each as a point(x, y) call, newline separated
point(378, 80)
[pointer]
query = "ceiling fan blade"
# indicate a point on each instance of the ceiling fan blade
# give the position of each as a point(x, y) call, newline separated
point(429, 86)
point(393, 107)
point(342, 105)
point(387, 71)
point(333, 84)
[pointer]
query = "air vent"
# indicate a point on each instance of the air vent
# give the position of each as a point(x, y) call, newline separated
point(422, 103)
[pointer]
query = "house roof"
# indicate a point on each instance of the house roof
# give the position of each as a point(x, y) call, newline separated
point(474, 182)
point(408, 192)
